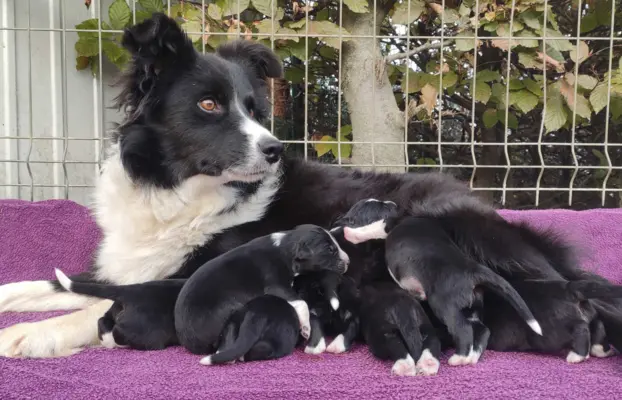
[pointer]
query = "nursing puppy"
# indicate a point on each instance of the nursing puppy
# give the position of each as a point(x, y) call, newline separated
point(396, 328)
point(569, 321)
point(141, 316)
point(265, 328)
point(266, 265)
point(447, 279)
point(334, 310)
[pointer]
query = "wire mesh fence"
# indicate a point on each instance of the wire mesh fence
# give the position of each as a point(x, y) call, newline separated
point(522, 99)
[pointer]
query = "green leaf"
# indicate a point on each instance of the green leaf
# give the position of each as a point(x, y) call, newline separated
point(559, 44)
point(416, 81)
point(554, 53)
point(152, 5)
point(524, 100)
point(299, 50)
point(598, 97)
point(87, 47)
point(89, 24)
point(603, 12)
point(331, 145)
point(465, 44)
point(533, 86)
point(112, 50)
point(400, 13)
point(214, 11)
point(426, 161)
point(584, 81)
point(449, 79)
point(490, 118)
point(451, 16)
point(531, 43)
point(142, 15)
point(531, 19)
point(503, 29)
point(82, 62)
point(589, 22)
point(555, 115)
point(498, 91)
point(327, 28)
point(357, 6)
point(581, 53)
point(616, 107)
point(512, 120)
point(119, 14)
point(297, 24)
point(193, 28)
point(230, 7)
point(295, 75)
point(491, 27)
point(488, 75)
point(265, 7)
point(582, 107)
point(529, 60)
point(95, 66)
point(516, 84)
point(482, 92)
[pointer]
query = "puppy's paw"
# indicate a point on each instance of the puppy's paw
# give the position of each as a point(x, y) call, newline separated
point(574, 358)
point(319, 349)
point(302, 310)
point(337, 346)
point(457, 360)
point(474, 356)
point(206, 360)
point(428, 364)
point(404, 367)
point(598, 350)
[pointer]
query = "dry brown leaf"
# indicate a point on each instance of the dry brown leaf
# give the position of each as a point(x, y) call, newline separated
point(551, 61)
point(503, 44)
point(567, 90)
point(295, 7)
point(87, 3)
point(412, 109)
point(428, 96)
point(445, 67)
point(436, 7)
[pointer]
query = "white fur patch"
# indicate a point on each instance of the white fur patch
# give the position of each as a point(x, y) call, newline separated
point(206, 360)
point(458, 359)
point(108, 341)
point(574, 358)
point(63, 279)
point(535, 326)
point(337, 346)
point(375, 230)
point(404, 367)
point(372, 200)
point(342, 254)
point(474, 356)
point(334, 303)
point(598, 350)
point(428, 364)
point(276, 238)
point(319, 349)
point(302, 310)
point(39, 296)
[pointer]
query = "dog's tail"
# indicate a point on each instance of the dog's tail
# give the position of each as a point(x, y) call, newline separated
point(111, 292)
point(249, 333)
point(501, 287)
point(405, 318)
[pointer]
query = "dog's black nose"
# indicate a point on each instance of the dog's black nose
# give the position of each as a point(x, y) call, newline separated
point(272, 149)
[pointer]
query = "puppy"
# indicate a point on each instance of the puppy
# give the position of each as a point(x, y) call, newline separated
point(423, 261)
point(396, 328)
point(266, 265)
point(569, 321)
point(265, 328)
point(333, 305)
point(141, 316)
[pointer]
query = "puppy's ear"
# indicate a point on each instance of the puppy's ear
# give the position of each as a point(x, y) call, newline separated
point(159, 43)
point(256, 56)
point(142, 156)
point(302, 253)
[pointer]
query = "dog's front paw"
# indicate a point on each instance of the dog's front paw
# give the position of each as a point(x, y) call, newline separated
point(457, 360)
point(337, 346)
point(428, 364)
point(32, 340)
point(319, 349)
point(404, 367)
point(574, 358)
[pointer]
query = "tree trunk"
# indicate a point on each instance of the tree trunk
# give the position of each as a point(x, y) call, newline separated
point(373, 110)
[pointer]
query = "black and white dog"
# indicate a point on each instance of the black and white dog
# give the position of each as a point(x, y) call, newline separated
point(192, 174)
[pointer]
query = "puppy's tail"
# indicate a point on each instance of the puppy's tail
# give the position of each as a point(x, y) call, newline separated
point(591, 289)
point(406, 321)
point(502, 288)
point(111, 292)
point(249, 333)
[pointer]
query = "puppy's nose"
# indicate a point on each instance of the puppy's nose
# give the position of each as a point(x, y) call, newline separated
point(272, 149)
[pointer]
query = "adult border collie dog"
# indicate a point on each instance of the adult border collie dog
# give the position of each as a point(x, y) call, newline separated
point(192, 173)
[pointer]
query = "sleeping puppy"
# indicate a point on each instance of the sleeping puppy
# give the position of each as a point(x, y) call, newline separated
point(422, 259)
point(265, 328)
point(333, 305)
point(569, 321)
point(141, 316)
point(396, 328)
point(266, 265)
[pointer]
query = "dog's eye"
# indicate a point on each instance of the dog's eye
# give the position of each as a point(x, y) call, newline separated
point(208, 105)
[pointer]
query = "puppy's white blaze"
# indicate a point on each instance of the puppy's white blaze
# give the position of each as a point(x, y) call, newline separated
point(338, 345)
point(342, 254)
point(334, 303)
point(277, 237)
point(206, 360)
point(319, 349)
point(535, 326)
point(375, 230)
point(63, 279)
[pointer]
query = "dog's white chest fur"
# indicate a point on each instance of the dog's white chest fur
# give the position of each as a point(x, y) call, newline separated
point(148, 233)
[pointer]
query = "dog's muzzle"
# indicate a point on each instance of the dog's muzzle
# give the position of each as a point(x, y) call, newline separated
point(271, 148)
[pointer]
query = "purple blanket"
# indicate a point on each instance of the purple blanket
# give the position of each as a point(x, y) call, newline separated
point(35, 237)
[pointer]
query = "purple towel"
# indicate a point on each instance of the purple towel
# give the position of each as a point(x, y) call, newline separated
point(34, 237)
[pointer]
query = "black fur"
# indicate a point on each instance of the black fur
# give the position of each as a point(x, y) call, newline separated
point(265, 328)
point(228, 282)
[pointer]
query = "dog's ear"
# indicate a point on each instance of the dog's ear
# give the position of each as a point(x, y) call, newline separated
point(302, 253)
point(255, 55)
point(159, 43)
point(142, 156)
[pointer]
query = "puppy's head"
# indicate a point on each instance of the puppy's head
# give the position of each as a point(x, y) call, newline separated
point(314, 249)
point(364, 212)
point(189, 114)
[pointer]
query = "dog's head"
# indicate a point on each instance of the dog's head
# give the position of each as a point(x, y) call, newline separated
point(190, 114)
point(314, 249)
point(364, 212)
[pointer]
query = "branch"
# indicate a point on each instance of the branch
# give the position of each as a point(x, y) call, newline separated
point(428, 46)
